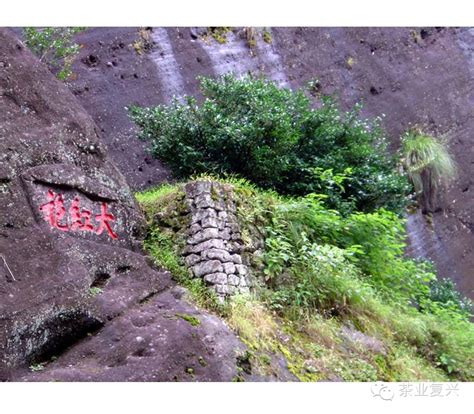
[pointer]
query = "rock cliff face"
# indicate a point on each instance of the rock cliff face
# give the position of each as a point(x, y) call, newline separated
point(71, 269)
point(414, 76)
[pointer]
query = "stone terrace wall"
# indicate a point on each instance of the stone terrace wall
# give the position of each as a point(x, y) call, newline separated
point(214, 244)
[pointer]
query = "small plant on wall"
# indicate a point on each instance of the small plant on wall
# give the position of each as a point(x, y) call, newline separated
point(429, 166)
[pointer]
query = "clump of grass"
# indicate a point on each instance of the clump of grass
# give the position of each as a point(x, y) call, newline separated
point(266, 335)
point(150, 199)
point(405, 365)
point(144, 42)
point(253, 322)
point(219, 34)
point(37, 367)
point(429, 165)
point(267, 37)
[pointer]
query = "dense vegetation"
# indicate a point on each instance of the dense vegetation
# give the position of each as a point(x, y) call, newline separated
point(277, 140)
point(325, 273)
point(327, 199)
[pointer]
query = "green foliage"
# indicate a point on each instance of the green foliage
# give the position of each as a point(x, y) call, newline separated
point(149, 198)
point(94, 291)
point(276, 139)
point(319, 277)
point(325, 270)
point(267, 37)
point(428, 164)
point(54, 46)
point(219, 34)
point(192, 320)
point(443, 295)
point(317, 260)
point(374, 242)
point(451, 343)
point(37, 367)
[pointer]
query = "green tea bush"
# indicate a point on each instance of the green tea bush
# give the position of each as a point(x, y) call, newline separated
point(276, 139)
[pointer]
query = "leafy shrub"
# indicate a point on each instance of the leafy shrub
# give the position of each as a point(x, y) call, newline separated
point(452, 343)
point(319, 277)
point(54, 46)
point(374, 242)
point(443, 295)
point(428, 164)
point(274, 138)
point(378, 242)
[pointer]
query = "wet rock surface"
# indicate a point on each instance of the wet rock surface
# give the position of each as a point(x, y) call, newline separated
point(112, 72)
point(72, 275)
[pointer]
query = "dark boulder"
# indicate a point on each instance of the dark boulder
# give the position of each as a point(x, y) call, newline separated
point(72, 276)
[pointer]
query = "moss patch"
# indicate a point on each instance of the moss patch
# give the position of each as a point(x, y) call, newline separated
point(192, 320)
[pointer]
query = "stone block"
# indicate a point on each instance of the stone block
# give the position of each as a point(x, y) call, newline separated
point(219, 254)
point(241, 270)
point(233, 280)
point(203, 235)
point(205, 268)
point(218, 278)
point(192, 259)
point(229, 268)
point(208, 244)
point(236, 258)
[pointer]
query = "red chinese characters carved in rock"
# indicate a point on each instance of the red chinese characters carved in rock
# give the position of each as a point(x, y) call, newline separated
point(80, 219)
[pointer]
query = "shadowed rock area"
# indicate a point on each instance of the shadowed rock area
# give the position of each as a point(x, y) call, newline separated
point(74, 284)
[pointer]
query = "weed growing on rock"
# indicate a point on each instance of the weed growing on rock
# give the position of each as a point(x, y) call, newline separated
point(192, 320)
point(94, 291)
point(144, 42)
point(36, 367)
point(54, 46)
point(267, 37)
point(429, 166)
point(219, 34)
